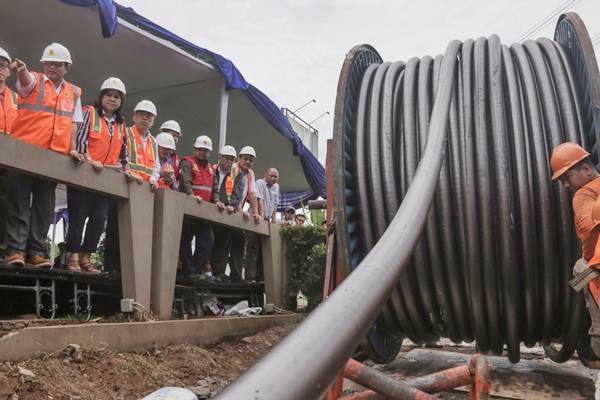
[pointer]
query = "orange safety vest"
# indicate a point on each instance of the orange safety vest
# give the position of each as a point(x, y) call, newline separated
point(202, 178)
point(141, 160)
point(166, 167)
point(44, 118)
point(101, 146)
point(8, 111)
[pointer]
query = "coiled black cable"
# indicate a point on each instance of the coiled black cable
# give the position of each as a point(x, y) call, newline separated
point(494, 260)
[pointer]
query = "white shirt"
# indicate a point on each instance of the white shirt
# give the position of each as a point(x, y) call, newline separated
point(156, 170)
point(26, 91)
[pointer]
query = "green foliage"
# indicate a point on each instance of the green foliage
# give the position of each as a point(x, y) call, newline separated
point(306, 255)
point(317, 217)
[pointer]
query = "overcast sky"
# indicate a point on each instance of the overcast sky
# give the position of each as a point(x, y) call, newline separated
point(293, 50)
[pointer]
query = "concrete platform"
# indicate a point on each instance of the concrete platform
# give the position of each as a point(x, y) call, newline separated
point(37, 341)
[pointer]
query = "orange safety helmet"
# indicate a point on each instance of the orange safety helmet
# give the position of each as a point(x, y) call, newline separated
point(564, 156)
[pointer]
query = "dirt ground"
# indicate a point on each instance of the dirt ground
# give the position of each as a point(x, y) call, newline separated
point(81, 374)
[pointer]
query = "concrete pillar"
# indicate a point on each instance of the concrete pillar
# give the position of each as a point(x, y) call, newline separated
point(273, 266)
point(135, 240)
point(165, 251)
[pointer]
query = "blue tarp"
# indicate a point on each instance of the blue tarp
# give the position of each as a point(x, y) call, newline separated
point(313, 170)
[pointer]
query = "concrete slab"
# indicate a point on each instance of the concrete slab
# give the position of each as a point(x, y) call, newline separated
point(37, 341)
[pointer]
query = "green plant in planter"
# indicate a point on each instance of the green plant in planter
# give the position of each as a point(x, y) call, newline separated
point(306, 255)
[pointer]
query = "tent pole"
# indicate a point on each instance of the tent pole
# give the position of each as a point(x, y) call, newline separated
point(224, 104)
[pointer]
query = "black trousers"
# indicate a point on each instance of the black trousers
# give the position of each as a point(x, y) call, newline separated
point(230, 246)
point(195, 262)
point(3, 205)
point(112, 249)
point(85, 205)
point(29, 213)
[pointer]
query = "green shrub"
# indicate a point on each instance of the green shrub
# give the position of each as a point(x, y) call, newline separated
point(306, 253)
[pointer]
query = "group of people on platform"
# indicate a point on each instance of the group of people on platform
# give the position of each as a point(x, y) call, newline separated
point(46, 110)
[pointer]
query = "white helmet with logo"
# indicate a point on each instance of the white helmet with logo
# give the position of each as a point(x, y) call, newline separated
point(113, 83)
point(248, 150)
point(171, 125)
point(56, 52)
point(228, 150)
point(165, 140)
point(4, 54)
point(203, 142)
point(146, 105)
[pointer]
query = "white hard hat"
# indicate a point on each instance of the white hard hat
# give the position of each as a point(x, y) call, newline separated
point(203, 142)
point(146, 105)
point(228, 150)
point(56, 52)
point(4, 54)
point(165, 140)
point(171, 125)
point(248, 150)
point(113, 83)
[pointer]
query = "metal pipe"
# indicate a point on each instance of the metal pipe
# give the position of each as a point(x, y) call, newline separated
point(371, 378)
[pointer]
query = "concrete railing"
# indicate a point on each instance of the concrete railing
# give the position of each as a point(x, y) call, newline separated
point(149, 224)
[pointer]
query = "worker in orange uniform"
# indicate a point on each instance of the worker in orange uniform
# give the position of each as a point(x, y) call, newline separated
point(143, 164)
point(102, 142)
point(196, 179)
point(173, 128)
point(8, 114)
point(571, 165)
point(166, 147)
point(49, 109)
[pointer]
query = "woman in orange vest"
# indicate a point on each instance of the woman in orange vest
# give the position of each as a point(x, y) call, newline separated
point(8, 114)
point(49, 109)
point(101, 140)
point(143, 164)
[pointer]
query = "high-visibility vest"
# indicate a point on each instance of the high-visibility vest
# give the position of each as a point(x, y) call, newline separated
point(141, 160)
point(44, 118)
point(202, 178)
point(234, 171)
point(166, 167)
point(101, 146)
point(8, 111)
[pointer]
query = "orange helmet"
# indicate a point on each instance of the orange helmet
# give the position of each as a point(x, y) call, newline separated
point(564, 156)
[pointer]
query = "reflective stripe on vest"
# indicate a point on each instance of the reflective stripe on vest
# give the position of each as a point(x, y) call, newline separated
point(8, 111)
point(140, 159)
point(202, 178)
point(101, 146)
point(45, 118)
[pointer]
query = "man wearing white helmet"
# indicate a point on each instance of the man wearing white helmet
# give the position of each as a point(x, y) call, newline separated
point(174, 129)
point(196, 179)
point(223, 197)
point(144, 166)
point(244, 191)
point(49, 109)
point(102, 143)
point(166, 147)
point(8, 114)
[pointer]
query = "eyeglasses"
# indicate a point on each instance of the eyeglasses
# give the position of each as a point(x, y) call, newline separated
point(4, 65)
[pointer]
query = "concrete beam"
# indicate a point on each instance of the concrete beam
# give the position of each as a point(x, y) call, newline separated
point(36, 161)
point(169, 211)
point(274, 266)
point(136, 219)
point(33, 342)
